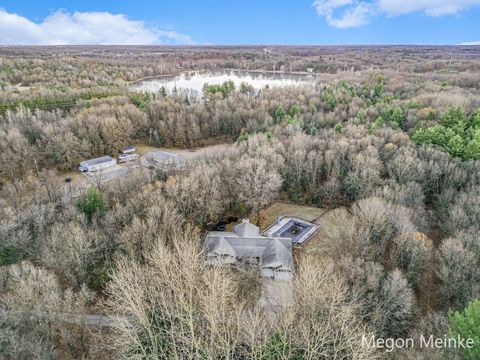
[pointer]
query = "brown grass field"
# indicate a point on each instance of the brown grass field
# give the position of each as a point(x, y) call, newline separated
point(280, 208)
point(329, 221)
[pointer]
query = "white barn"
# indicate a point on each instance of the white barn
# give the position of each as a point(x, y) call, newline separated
point(97, 164)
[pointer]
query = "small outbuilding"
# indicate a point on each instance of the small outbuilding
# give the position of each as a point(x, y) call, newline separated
point(125, 157)
point(294, 228)
point(97, 164)
point(129, 149)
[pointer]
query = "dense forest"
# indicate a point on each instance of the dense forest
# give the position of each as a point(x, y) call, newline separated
point(390, 133)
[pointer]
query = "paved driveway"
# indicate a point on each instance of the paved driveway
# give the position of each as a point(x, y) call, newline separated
point(109, 174)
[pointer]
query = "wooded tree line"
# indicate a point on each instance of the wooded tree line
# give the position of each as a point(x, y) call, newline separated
point(102, 126)
point(66, 68)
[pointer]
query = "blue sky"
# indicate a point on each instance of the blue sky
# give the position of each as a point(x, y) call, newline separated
point(240, 22)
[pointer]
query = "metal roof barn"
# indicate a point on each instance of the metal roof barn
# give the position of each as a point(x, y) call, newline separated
point(97, 164)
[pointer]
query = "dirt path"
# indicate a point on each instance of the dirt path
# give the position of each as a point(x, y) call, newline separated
point(92, 320)
point(101, 321)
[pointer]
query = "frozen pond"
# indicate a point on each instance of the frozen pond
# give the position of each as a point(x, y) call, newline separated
point(192, 83)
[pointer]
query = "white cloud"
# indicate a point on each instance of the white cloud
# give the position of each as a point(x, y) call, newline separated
point(470, 43)
point(90, 28)
point(429, 7)
point(344, 13)
point(354, 16)
point(352, 13)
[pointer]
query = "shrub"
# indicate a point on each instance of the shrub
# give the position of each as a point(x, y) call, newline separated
point(279, 114)
point(329, 99)
point(100, 275)
point(279, 347)
point(411, 253)
point(459, 273)
point(92, 203)
point(466, 324)
point(36, 321)
point(387, 301)
point(69, 249)
point(381, 222)
point(397, 304)
point(457, 134)
point(464, 213)
point(11, 255)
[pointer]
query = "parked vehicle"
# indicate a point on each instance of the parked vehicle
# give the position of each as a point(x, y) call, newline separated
point(128, 149)
point(127, 157)
point(221, 226)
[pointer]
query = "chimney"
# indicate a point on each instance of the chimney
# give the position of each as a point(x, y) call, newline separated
point(245, 221)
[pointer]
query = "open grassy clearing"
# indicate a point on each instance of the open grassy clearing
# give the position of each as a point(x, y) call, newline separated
point(330, 222)
point(281, 208)
point(121, 169)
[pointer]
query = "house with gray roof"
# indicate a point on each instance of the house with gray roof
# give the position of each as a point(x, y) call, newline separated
point(246, 244)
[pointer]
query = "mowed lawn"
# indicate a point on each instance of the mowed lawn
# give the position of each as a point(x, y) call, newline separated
point(279, 208)
point(330, 223)
point(329, 220)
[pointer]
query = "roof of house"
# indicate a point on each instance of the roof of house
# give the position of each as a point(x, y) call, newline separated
point(129, 148)
point(221, 246)
point(277, 254)
point(246, 242)
point(164, 156)
point(246, 229)
point(99, 160)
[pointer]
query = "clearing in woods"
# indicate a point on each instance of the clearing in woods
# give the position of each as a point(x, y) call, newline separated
point(328, 220)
